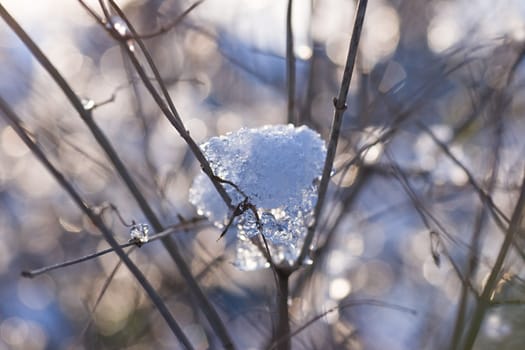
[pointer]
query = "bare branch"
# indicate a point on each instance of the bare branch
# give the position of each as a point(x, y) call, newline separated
point(340, 107)
point(483, 302)
point(343, 306)
point(166, 28)
point(290, 65)
point(15, 122)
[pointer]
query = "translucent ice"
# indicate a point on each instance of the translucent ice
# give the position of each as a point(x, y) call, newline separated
point(139, 233)
point(277, 167)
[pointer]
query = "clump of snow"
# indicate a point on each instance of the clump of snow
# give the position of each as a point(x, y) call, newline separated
point(277, 168)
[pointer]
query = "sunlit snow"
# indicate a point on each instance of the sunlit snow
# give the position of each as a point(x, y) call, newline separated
point(277, 167)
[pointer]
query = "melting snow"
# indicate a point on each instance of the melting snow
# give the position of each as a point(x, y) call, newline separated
point(277, 167)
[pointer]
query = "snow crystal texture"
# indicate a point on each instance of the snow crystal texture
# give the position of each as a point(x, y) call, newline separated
point(277, 167)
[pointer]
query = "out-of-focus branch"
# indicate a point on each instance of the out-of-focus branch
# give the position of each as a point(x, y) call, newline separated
point(15, 122)
point(498, 214)
point(166, 28)
point(168, 110)
point(476, 245)
point(128, 41)
point(340, 307)
point(484, 302)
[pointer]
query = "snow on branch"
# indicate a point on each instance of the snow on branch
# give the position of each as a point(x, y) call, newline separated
point(276, 170)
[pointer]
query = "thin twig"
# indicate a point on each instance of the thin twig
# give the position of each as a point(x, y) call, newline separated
point(172, 115)
point(169, 111)
point(15, 122)
point(101, 294)
point(472, 264)
point(339, 109)
point(483, 302)
point(305, 114)
point(498, 214)
point(320, 254)
point(169, 231)
point(166, 28)
point(290, 65)
point(495, 303)
point(342, 307)
point(86, 116)
point(146, 126)
point(231, 57)
point(104, 8)
point(426, 216)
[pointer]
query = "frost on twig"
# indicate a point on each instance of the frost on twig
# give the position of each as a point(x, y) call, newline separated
point(276, 169)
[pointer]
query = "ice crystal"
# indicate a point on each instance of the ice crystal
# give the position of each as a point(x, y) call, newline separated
point(277, 168)
point(139, 233)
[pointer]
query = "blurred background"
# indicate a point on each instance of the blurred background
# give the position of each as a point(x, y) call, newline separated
point(401, 224)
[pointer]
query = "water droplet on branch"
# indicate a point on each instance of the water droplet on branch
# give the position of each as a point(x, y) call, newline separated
point(139, 233)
